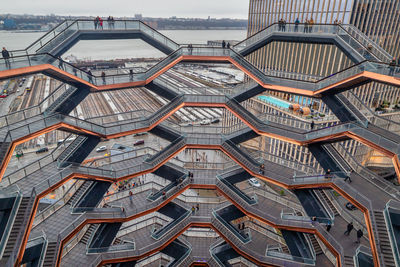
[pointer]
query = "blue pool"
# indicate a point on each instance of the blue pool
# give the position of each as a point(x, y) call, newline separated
point(274, 101)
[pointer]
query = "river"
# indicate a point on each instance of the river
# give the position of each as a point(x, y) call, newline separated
point(113, 49)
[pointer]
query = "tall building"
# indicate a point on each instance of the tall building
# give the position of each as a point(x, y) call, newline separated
point(379, 20)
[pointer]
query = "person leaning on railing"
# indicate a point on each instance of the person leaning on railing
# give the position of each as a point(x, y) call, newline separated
point(6, 56)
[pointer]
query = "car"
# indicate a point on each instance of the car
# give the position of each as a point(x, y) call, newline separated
point(138, 143)
point(215, 121)
point(205, 122)
point(254, 182)
point(350, 206)
point(140, 134)
point(101, 149)
point(42, 150)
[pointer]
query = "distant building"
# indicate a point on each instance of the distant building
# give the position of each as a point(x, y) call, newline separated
point(9, 24)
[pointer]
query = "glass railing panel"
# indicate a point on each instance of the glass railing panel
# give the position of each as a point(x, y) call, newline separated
point(232, 229)
point(238, 192)
point(113, 248)
point(285, 256)
point(158, 234)
point(389, 226)
point(18, 197)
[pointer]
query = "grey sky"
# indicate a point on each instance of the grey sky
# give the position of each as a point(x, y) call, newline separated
point(149, 8)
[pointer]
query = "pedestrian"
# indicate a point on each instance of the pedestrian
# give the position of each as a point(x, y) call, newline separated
point(239, 226)
point(112, 22)
point(296, 24)
point(398, 61)
point(131, 197)
point(193, 209)
point(6, 57)
point(349, 228)
point(312, 125)
point(90, 76)
point(313, 220)
point(242, 226)
point(328, 174)
point(359, 235)
point(283, 25)
point(223, 44)
point(197, 207)
point(190, 48)
point(109, 22)
point(131, 75)
point(311, 23)
point(280, 25)
point(348, 176)
point(164, 195)
point(103, 77)
point(96, 22)
point(328, 227)
point(60, 63)
point(305, 26)
point(392, 66)
point(75, 71)
point(100, 23)
point(228, 45)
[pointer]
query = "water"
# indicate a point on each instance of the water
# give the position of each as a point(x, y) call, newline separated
point(114, 49)
point(274, 101)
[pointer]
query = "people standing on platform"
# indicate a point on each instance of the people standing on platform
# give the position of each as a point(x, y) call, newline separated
point(96, 22)
point(100, 23)
point(90, 76)
point(60, 63)
point(223, 44)
point(349, 228)
point(296, 24)
point(131, 75)
point(131, 197)
point(280, 25)
point(283, 25)
point(305, 26)
point(6, 57)
point(228, 45)
point(197, 207)
point(190, 48)
point(193, 210)
point(312, 125)
point(328, 174)
point(109, 22)
point(311, 23)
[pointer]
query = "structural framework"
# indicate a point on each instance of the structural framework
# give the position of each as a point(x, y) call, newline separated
point(85, 229)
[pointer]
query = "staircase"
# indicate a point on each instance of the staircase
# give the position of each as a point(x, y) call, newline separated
point(51, 253)
point(117, 241)
point(348, 261)
point(79, 193)
point(355, 112)
point(315, 244)
point(60, 100)
point(383, 237)
point(67, 153)
point(17, 227)
point(328, 201)
point(88, 234)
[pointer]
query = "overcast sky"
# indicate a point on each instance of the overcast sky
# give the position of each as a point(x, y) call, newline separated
point(149, 8)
